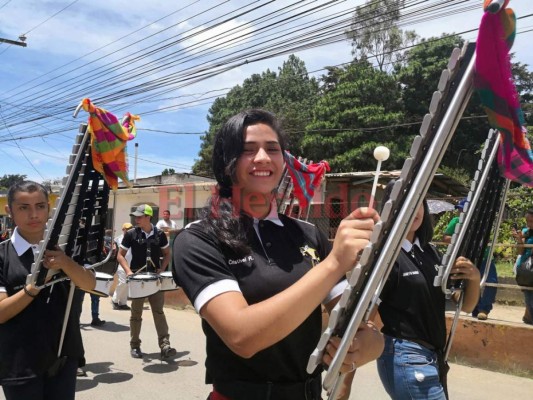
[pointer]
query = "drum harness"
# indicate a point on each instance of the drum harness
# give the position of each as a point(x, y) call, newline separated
point(148, 241)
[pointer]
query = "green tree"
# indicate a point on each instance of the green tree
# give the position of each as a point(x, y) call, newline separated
point(8, 180)
point(48, 183)
point(419, 78)
point(353, 117)
point(374, 33)
point(168, 171)
point(524, 86)
point(290, 94)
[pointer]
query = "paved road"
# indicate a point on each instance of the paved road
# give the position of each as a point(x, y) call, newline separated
point(113, 374)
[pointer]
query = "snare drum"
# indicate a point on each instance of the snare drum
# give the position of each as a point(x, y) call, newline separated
point(103, 284)
point(142, 285)
point(167, 281)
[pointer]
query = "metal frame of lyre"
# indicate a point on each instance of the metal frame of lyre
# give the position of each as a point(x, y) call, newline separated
point(368, 276)
point(377, 259)
point(481, 217)
point(84, 194)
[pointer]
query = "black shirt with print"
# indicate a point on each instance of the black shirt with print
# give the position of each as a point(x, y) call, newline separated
point(275, 263)
point(411, 306)
point(30, 340)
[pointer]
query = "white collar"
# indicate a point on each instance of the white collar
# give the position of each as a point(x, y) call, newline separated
point(272, 215)
point(147, 235)
point(20, 244)
point(408, 246)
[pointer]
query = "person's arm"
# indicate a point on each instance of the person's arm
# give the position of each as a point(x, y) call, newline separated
point(11, 306)
point(82, 277)
point(161, 226)
point(127, 241)
point(366, 346)
point(247, 329)
point(450, 229)
point(121, 259)
point(174, 227)
point(446, 238)
point(520, 241)
point(464, 269)
point(166, 259)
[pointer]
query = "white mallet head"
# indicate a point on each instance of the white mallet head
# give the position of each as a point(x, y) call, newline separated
point(381, 153)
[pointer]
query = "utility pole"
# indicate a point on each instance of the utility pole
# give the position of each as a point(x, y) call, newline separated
point(16, 43)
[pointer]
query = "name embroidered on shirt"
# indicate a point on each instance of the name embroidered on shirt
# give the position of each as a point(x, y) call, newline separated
point(409, 273)
point(241, 260)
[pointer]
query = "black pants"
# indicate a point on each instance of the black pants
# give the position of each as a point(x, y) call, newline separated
point(240, 390)
point(62, 386)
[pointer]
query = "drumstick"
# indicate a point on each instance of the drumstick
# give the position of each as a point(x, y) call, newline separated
point(140, 269)
point(381, 153)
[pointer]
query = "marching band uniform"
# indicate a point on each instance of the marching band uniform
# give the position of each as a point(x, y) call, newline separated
point(282, 251)
point(413, 313)
point(412, 310)
point(246, 277)
point(138, 241)
point(29, 341)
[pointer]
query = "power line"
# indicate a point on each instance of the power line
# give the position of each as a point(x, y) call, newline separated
point(52, 16)
point(23, 154)
point(331, 31)
point(5, 4)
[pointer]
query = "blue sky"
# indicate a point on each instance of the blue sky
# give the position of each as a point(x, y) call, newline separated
point(46, 78)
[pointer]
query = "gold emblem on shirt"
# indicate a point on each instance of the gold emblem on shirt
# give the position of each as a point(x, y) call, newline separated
point(308, 251)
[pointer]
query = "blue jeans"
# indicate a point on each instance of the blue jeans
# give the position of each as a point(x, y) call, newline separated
point(488, 297)
point(95, 305)
point(62, 386)
point(409, 371)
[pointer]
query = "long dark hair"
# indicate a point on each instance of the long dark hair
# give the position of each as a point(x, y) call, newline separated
point(228, 224)
point(425, 232)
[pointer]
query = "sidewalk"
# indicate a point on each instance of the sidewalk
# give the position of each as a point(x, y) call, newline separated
point(505, 314)
point(113, 374)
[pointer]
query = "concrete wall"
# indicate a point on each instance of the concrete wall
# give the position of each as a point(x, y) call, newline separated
point(490, 345)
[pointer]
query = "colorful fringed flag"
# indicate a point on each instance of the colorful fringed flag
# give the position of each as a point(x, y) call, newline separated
point(494, 83)
point(305, 177)
point(108, 142)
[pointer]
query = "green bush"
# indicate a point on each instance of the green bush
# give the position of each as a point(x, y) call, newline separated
point(519, 200)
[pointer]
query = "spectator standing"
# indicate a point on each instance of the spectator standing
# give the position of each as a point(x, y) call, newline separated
point(166, 224)
point(146, 243)
point(525, 236)
point(120, 295)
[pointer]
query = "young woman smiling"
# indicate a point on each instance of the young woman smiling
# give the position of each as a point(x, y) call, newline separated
point(258, 278)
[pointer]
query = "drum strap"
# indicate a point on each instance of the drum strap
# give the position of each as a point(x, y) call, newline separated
point(153, 239)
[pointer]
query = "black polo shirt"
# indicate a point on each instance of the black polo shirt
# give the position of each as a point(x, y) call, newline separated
point(30, 340)
point(411, 306)
point(277, 260)
point(137, 240)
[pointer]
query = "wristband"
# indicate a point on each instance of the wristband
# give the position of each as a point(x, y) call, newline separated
point(28, 292)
